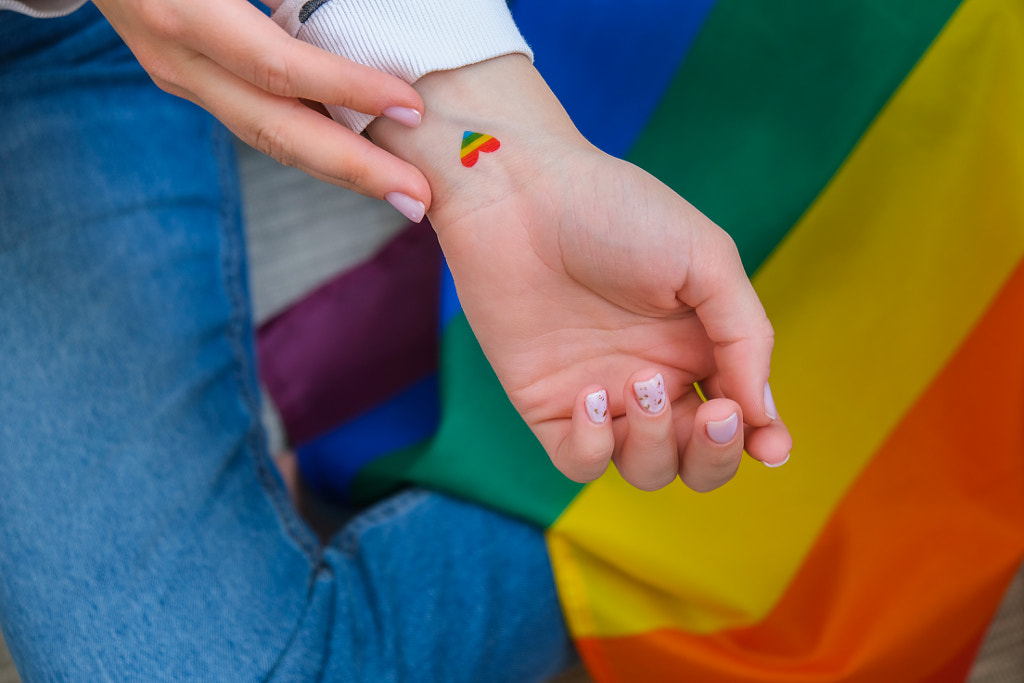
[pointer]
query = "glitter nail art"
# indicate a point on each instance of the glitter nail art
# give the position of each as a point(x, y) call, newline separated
point(651, 394)
point(597, 406)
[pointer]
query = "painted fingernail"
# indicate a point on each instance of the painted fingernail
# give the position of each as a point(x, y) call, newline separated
point(405, 115)
point(722, 431)
point(406, 205)
point(597, 406)
point(769, 403)
point(651, 394)
point(778, 464)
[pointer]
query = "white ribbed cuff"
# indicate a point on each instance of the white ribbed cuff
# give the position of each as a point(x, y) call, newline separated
point(42, 9)
point(405, 38)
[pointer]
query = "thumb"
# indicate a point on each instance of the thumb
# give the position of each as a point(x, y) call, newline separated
point(718, 289)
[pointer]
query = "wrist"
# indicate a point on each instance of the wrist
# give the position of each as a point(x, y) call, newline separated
point(504, 98)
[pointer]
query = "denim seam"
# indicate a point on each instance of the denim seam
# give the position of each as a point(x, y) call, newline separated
point(235, 288)
point(348, 541)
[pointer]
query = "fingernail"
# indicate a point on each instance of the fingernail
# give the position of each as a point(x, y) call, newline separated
point(769, 403)
point(722, 431)
point(409, 117)
point(406, 205)
point(778, 464)
point(651, 394)
point(597, 406)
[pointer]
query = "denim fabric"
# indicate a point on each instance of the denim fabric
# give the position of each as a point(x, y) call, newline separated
point(144, 533)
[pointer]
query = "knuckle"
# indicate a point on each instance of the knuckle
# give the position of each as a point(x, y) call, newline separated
point(583, 475)
point(761, 336)
point(725, 243)
point(722, 463)
point(583, 465)
point(707, 471)
point(649, 470)
point(272, 73)
point(163, 74)
point(591, 460)
point(163, 19)
point(703, 486)
point(273, 140)
point(164, 84)
point(354, 175)
point(651, 481)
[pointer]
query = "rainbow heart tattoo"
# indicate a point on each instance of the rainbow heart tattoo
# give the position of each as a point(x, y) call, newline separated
point(475, 143)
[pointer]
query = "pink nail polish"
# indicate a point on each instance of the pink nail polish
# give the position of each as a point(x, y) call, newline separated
point(722, 431)
point(769, 403)
point(597, 406)
point(651, 394)
point(404, 115)
point(406, 205)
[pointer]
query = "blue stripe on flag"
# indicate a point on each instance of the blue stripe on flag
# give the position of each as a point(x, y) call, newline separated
point(610, 61)
point(333, 460)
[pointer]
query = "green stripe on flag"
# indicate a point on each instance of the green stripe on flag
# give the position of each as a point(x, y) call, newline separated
point(483, 451)
point(770, 101)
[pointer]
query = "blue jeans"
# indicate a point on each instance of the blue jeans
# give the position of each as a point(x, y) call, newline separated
point(144, 532)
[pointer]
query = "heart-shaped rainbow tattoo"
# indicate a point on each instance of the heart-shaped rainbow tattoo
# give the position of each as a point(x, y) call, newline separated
point(475, 143)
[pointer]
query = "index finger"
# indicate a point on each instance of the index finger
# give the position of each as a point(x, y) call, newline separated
point(298, 136)
point(244, 41)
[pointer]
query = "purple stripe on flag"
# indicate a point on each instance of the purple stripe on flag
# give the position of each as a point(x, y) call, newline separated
point(331, 462)
point(356, 341)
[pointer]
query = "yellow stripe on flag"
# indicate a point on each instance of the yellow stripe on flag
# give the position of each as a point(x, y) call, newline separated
point(870, 295)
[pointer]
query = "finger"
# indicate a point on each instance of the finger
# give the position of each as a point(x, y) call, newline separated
point(714, 447)
point(244, 41)
point(770, 444)
point(268, 57)
point(736, 323)
point(648, 459)
point(585, 452)
point(298, 136)
point(712, 388)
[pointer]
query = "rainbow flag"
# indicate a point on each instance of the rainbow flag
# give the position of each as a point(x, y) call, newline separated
point(868, 159)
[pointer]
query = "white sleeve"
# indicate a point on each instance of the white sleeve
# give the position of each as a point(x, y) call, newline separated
point(42, 9)
point(405, 38)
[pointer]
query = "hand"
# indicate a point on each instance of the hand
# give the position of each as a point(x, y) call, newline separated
point(580, 273)
point(592, 275)
point(233, 61)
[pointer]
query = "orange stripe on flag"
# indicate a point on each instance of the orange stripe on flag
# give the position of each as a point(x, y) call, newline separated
point(909, 570)
point(649, 664)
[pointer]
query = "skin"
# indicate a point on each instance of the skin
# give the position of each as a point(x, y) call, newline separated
point(578, 272)
point(256, 79)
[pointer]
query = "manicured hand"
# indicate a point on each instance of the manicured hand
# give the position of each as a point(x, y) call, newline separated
point(233, 61)
point(601, 298)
